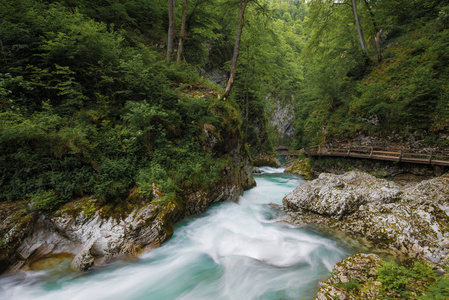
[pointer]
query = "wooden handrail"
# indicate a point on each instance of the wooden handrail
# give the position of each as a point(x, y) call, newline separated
point(421, 156)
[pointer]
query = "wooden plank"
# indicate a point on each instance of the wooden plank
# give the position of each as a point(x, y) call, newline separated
point(403, 155)
point(387, 152)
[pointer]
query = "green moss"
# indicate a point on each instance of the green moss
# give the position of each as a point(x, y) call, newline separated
point(89, 208)
point(301, 166)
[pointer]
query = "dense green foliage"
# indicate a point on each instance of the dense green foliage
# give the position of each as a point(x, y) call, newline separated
point(269, 67)
point(393, 281)
point(87, 108)
point(417, 282)
point(348, 92)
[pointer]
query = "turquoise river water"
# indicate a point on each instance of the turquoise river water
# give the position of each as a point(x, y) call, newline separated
point(233, 251)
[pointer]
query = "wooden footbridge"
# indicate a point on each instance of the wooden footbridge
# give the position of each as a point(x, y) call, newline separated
point(416, 156)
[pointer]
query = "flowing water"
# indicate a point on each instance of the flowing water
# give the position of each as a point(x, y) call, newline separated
point(233, 251)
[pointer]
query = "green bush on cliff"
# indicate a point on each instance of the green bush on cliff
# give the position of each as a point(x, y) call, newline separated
point(350, 285)
point(405, 281)
point(45, 200)
point(437, 291)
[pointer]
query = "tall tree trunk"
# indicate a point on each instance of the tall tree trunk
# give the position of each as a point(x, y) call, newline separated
point(373, 19)
point(377, 38)
point(359, 27)
point(247, 94)
point(171, 29)
point(182, 36)
point(378, 41)
point(228, 88)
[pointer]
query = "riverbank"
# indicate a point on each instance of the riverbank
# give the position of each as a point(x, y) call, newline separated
point(409, 219)
point(312, 167)
point(232, 251)
point(92, 234)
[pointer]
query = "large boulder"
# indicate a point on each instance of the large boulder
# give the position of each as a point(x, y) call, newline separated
point(410, 220)
point(98, 238)
point(339, 195)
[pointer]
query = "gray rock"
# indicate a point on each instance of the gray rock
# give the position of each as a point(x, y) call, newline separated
point(282, 117)
point(340, 195)
point(358, 267)
point(83, 260)
point(411, 220)
point(256, 170)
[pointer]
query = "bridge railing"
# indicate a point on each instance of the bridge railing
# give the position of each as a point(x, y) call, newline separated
point(440, 157)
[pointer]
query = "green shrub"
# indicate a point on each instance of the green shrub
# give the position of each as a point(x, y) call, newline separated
point(45, 200)
point(438, 291)
point(402, 280)
point(350, 285)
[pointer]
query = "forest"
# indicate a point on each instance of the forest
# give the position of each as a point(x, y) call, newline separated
point(100, 97)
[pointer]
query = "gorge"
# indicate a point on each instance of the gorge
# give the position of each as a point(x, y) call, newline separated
point(233, 251)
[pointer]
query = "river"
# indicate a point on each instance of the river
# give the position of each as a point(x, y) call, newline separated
point(233, 251)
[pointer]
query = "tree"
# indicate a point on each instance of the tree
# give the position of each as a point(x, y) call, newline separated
point(182, 36)
point(359, 27)
point(171, 29)
point(241, 23)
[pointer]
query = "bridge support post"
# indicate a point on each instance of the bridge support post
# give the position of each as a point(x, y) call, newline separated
point(430, 158)
point(400, 156)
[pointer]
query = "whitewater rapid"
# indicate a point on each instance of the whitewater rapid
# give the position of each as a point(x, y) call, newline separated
point(233, 251)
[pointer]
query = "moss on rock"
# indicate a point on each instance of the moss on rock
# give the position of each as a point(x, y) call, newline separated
point(409, 220)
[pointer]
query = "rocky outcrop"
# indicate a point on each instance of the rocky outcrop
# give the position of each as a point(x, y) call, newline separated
point(357, 270)
point(282, 118)
point(338, 196)
point(410, 220)
point(299, 167)
point(94, 239)
point(368, 276)
point(266, 160)
point(256, 170)
point(231, 185)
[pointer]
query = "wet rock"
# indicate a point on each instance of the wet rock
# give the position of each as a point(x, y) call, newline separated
point(266, 160)
point(299, 167)
point(412, 221)
point(82, 261)
point(339, 195)
point(256, 170)
point(357, 270)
